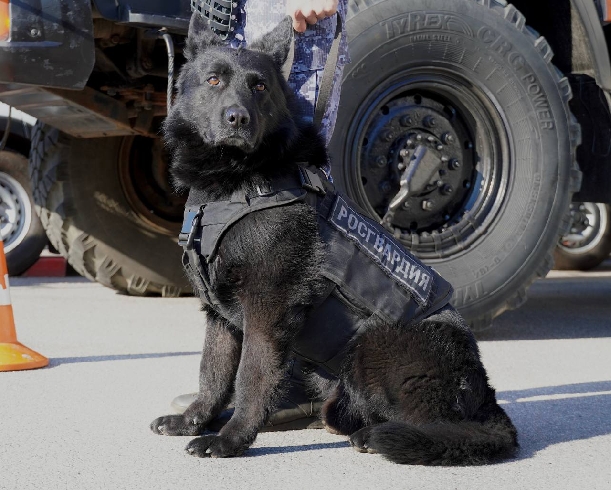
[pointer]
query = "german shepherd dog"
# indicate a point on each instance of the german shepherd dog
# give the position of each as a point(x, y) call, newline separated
point(417, 394)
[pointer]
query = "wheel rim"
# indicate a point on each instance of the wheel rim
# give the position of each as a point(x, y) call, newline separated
point(589, 222)
point(144, 175)
point(458, 121)
point(15, 212)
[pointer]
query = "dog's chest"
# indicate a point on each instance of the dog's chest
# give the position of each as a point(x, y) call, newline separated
point(266, 250)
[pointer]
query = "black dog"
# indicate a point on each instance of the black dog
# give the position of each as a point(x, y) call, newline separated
point(414, 392)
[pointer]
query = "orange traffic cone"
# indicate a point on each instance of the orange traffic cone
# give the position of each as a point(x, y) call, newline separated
point(13, 355)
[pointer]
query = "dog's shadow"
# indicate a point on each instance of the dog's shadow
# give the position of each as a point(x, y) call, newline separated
point(267, 451)
point(556, 414)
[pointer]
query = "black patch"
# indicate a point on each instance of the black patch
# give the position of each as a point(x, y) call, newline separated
point(387, 253)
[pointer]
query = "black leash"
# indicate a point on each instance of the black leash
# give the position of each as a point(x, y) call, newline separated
point(326, 85)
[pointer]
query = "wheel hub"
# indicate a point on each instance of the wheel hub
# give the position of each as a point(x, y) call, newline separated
point(15, 213)
point(398, 128)
point(586, 228)
point(144, 174)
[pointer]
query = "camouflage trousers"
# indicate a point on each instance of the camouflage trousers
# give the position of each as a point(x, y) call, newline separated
point(256, 17)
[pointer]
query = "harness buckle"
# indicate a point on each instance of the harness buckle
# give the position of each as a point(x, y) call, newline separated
point(311, 181)
point(194, 226)
point(264, 193)
point(187, 234)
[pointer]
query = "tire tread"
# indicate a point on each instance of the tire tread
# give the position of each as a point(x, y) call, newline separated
point(49, 177)
point(512, 15)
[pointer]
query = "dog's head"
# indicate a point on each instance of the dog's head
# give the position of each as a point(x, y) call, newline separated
point(232, 98)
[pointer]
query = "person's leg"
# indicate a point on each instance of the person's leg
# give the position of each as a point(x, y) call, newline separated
point(311, 51)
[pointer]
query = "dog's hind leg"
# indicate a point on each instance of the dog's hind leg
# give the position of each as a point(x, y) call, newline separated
point(219, 364)
point(428, 386)
point(337, 414)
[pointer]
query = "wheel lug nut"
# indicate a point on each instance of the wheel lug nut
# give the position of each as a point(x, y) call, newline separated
point(439, 183)
point(405, 121)
point(430, 139)
point(573, 230)
point(418, 137)
point(429, 122)
point(403, 153)
point(385, 187)
point(454, 164)
point(427, 205)
point(388, 135)
point(447, 189)
point(439, 147)
point(381, 161)
point(406, 204)
point(586, 222)
point(445, 159)
point(401, 166)
point(447, 138)
point(582, 207)
point(409, 143)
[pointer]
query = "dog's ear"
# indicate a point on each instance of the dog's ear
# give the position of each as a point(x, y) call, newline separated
point(276, 43)
point(200, 36)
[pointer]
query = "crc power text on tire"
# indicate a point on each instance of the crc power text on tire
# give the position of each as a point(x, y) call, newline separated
point(588, 242)
point(471, 83)
point(22, 233)
point(93, 195)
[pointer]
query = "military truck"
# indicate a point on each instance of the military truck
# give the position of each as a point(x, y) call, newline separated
point(511, 100)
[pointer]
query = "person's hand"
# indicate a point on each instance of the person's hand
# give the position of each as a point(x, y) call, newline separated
point(310, 11)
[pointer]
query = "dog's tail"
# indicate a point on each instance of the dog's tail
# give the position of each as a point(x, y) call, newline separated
point(444, 443)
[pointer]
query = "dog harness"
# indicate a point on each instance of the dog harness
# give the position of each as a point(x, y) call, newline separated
point(370, 273)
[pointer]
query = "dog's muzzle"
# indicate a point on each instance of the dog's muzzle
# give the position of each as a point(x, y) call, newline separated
point(219, 14)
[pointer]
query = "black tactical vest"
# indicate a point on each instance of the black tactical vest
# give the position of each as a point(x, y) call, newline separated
point(372, 274)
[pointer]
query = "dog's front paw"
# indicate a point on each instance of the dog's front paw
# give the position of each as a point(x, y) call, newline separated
point(360, 440)
point(177, 425)
point(213, 446)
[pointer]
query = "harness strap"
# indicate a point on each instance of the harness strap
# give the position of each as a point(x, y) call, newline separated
point(205, 224)
point(218, 217)
point(326, 85)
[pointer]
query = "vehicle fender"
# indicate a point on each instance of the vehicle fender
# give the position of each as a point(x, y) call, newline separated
point(174, 15)
point(591, 20)
point(50, 44)
point(20, 129)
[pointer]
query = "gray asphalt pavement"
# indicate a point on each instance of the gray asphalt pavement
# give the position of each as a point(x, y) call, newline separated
point(117, 361)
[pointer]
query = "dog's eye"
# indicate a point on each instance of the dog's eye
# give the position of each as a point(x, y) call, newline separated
point(213, 81)
point(260, 87)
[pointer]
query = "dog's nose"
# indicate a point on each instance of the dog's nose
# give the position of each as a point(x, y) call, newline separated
point(237, 116)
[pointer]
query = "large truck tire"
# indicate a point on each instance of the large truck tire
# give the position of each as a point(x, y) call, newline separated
point(23, 235)
point(80, 191)
point(588, 242)
point(470, 81)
